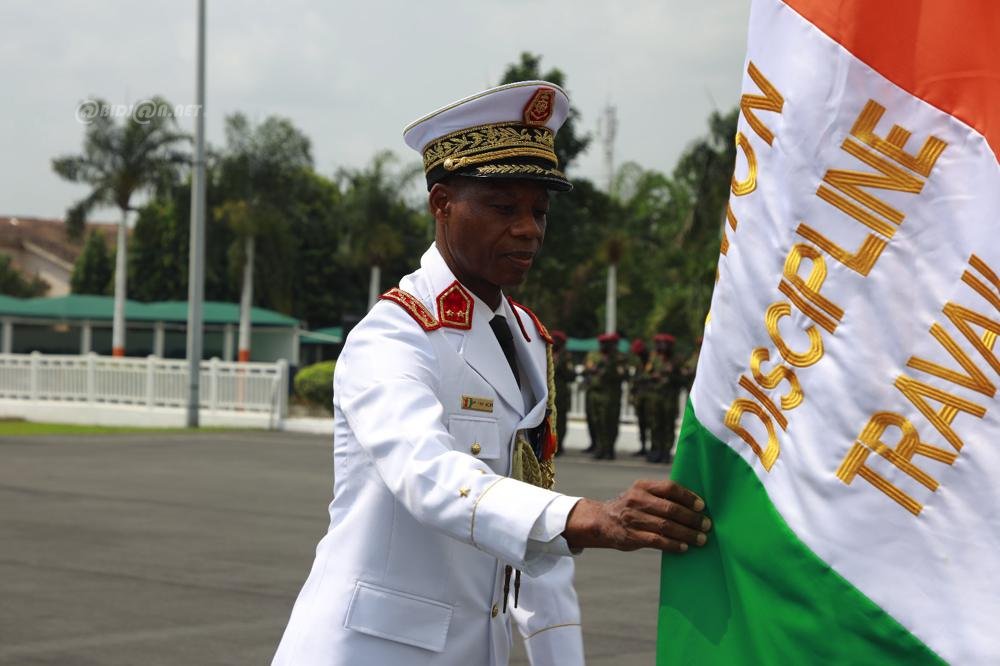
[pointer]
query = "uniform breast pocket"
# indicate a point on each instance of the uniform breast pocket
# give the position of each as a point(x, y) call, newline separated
point(476, 435)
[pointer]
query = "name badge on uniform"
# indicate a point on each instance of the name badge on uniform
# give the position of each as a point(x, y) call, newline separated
point(477, 404)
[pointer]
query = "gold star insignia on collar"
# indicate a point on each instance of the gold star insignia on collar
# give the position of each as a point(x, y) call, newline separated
point(464, 492)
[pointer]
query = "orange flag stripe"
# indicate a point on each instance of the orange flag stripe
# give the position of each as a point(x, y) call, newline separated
point(943, 52)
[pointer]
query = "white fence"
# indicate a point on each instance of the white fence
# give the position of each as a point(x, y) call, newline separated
point(152, 382)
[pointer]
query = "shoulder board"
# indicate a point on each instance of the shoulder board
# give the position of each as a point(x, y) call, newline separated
point(413, 306)
point(539, 326)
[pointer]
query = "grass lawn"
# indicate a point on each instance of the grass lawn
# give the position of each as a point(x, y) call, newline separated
point(13, 427)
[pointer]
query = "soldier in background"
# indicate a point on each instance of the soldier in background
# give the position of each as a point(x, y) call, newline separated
point(565, 375)
point(665, 381)
point(690, 365)
point(607, 376)
point(641, 393)
point(589, 364)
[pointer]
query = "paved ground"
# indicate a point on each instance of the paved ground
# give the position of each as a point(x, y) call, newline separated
point(176, 549)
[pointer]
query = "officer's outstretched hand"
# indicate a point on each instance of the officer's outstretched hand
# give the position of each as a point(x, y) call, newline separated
point(650, 514)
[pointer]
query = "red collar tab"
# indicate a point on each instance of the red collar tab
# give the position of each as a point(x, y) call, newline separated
point(539, 326)
point(454, 307)
point(413, 306)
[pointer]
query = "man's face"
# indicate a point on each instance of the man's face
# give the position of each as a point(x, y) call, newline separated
point(492, 228)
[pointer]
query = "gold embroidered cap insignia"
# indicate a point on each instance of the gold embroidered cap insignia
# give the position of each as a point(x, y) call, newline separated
point(539, 108)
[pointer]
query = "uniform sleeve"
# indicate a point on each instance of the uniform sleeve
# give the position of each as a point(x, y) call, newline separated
point(386, 387)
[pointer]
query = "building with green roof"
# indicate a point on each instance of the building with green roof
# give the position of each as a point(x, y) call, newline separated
point(80, 323)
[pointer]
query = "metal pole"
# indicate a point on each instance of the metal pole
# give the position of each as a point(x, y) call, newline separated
point(196, 258)
point(246, 301)
point(611, 300)
point(118, 320)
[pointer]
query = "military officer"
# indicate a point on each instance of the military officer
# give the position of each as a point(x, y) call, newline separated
point(664, 375)
point(690, 365)
point(443, 438)
point(565, 377)
point(607, 376)
point(589, 396)
point(641, 391)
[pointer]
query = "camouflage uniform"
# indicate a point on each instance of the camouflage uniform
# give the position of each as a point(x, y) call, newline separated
point(606, 391)
point(565, 375)
point(589, 407)
point(665, 378)
point(642, 400)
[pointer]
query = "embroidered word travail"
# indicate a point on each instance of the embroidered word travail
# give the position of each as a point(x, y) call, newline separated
point(895, 169)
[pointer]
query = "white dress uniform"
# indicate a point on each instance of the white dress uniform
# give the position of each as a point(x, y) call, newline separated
point(424, 517)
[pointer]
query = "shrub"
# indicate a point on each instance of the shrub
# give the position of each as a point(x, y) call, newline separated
point(314, 384)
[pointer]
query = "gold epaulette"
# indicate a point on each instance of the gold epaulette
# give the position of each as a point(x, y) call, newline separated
point(539, 326)
point(413, 306)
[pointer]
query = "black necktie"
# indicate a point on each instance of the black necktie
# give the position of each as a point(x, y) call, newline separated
point(506, 340)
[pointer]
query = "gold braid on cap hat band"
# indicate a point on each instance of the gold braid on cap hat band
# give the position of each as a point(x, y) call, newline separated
point(487, 143)
point(518, 169)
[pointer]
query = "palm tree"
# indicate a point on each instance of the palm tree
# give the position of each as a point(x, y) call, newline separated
point(259, 168)
point(118, 161)
point(374, 199)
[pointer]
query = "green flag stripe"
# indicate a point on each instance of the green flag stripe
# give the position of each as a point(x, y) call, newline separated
point(756, 594)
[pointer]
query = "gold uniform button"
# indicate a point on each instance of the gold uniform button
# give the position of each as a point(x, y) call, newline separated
point(495, 611)
point(475, 448)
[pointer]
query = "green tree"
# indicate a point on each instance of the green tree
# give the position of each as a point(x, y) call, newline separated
point(119, 160)
point(93, 269)
point(158, 253)
point(379, 222)
point(12, 283)
point(704, 171)
point(569, 142)
point(258, 169)
point(566, 286)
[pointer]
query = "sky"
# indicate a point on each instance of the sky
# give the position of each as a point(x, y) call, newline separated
point(352, 75)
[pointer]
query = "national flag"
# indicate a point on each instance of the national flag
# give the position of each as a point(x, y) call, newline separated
point(844, 426)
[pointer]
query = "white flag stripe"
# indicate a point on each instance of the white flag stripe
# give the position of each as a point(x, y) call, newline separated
point(922, 554)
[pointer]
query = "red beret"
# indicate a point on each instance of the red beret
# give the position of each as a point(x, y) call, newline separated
point(608, 337)
point(558, 335)
point(664, 337)
point(638, 346)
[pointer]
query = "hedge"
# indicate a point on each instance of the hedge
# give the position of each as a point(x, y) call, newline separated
point(314, 384)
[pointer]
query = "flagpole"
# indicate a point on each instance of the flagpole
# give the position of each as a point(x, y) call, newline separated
point(196, 258)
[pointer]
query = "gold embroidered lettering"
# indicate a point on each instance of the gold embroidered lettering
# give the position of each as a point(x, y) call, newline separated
point(892, 146)
point(771, 100)
point(918, 392)
point(870, 441)
point(779, 373)
point(964, 319)
point(764, 401)
point(799, 359)
point(861, 261)
point(744, 187)
point(851, 182)
point(740, 406)
point(977, 285)
point(974, 378)
point(795, 287)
